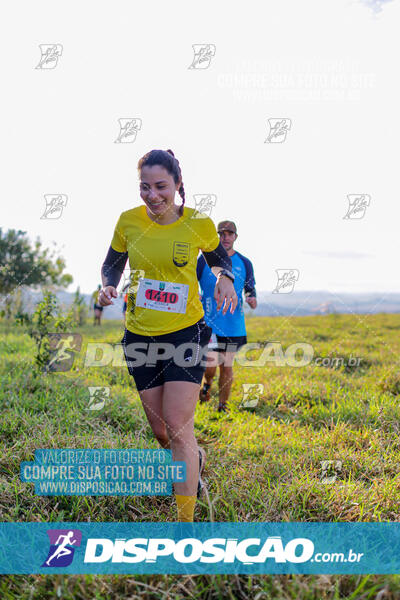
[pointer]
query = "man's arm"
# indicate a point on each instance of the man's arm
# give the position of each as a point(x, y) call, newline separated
point(249, 283)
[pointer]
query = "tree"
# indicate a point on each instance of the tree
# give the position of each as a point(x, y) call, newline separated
point(22, 264)
point(79, 309)
point(46, 319)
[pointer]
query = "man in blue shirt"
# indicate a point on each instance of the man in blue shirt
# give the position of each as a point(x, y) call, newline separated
point(229, 330)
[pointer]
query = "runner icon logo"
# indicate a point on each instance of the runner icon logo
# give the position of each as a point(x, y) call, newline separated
point(62, 349)
point(128, 129)
point(251, 394)
point(50, 53)
point(286, 280)
point(358, 204)
point(98, 397)
point(278, 130)
point(62, 547)
point(203, 54)
point(204, 204)
point(54, 205)
point(132, 280)
point(330, 470)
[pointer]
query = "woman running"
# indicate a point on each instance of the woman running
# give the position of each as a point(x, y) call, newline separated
point(164, 313)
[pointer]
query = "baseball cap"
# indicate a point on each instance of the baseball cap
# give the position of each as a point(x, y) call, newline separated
point(227, 226)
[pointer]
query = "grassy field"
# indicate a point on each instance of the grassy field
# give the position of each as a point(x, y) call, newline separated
point(263, 464)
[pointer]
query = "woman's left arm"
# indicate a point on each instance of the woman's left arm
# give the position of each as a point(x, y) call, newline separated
point(218, 260)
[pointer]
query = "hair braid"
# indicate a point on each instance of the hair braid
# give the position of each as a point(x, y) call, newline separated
point(181, 190)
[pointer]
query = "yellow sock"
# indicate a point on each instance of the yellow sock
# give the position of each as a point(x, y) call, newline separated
point(185, 507)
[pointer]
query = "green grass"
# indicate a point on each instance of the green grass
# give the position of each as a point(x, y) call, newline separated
point(263, 464)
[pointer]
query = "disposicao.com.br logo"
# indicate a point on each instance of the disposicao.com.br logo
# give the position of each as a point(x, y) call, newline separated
point(177, 547)
point(211, 550)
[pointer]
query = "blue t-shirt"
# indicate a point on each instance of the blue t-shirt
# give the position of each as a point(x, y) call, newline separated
point(227, 325)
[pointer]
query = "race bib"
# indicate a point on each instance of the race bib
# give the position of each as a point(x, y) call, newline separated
point(162, 295)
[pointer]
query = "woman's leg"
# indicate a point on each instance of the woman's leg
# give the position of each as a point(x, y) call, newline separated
point(152, 400)
point(179, 403)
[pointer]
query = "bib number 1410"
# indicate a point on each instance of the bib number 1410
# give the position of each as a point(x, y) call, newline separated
point(162, 295)
point(168, 297)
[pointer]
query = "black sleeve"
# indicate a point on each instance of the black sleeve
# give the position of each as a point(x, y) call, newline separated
point(113, 267)
point(250, 284)
point(218, 258)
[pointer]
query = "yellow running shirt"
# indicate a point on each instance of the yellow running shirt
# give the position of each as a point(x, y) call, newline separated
point(163, 296)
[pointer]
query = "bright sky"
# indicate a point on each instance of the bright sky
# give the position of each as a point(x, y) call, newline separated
point(330, 66)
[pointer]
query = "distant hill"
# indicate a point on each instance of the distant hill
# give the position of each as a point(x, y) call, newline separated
point(323, 302)
point(296, 303)
point(114, 311)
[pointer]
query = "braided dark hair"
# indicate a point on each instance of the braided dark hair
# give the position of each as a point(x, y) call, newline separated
point(166, 159)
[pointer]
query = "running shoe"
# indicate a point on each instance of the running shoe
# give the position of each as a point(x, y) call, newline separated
point(200, 485)
point(204, 394)
point(223, 408)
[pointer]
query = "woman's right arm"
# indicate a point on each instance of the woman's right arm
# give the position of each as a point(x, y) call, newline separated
point(111, 273)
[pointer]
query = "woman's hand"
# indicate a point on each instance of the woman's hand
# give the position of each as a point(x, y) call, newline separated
point(224, 290)
point(106, 294)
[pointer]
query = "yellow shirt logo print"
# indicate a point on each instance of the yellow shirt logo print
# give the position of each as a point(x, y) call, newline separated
point(180, 254)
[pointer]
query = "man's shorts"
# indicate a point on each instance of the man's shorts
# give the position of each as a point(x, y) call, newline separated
point(184, 354)
point(213, 344)
point(98, 307)
point(230, 344)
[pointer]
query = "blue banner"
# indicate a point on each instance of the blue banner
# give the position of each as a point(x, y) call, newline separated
point(200, 548)
point(102, 472)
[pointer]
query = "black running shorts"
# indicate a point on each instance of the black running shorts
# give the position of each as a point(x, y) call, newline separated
point(97, 307)
point(176, 356)
point(230, 344)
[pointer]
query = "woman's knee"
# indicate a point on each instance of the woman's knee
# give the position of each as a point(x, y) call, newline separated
point(180, 433)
